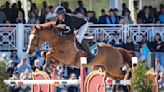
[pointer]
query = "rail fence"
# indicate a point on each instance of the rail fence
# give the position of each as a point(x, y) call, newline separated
point(15, 36)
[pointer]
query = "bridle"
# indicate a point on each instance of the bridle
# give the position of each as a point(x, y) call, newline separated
point(38, 41)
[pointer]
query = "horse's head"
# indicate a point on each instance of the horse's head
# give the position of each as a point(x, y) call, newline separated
point(40, 34)
point(34, 43)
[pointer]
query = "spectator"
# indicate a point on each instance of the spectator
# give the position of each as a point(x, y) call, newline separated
point(140, 14)
point(129, 44)
point(37, 65)
point(117, 42)
point(34, 9)
point(91, 17)
point(151, 10)
point(65, 4)
point(161, 16)
point(10, 68)
point(4, 58)
point(15, 57)
point(71, 70)
point(33, 18)
point(124, 8)
point(79, 14)
point(2, 17)
point(7, 11)
point(144, 51)
point(161, 80)
point(161, 6)
point(8, 27)
point(23, 66)
point(14, 13)
point(20, 8)
point(25, 76)
point(158, 47)
point(158, 66)
point(14, 87)
point(20, 18)
point(50, 16)
point(81, 8)
point(126, 17)
point(102, 18)
point(43, 12)
point(147, 18)
point(116, 13)
point(73, 88)
point(112, 19)
point(155, 15)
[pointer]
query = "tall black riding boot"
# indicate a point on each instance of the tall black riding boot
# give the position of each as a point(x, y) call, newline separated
point(85, 46)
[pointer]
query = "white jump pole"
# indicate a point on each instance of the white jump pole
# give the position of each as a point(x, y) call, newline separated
point(55, 82)
point(118, 82)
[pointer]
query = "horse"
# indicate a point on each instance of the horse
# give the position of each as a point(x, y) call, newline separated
point(110, 58)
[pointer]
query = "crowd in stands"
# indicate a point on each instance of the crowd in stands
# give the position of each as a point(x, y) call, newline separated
point(21, 68)
point(15, 14)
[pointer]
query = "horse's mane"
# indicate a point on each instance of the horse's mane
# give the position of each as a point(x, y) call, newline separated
point(48, 25)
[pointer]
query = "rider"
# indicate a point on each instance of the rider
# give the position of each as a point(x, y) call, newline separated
point(73, 22)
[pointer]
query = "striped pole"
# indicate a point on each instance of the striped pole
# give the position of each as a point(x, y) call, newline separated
point(118, 82)
point(53, 82)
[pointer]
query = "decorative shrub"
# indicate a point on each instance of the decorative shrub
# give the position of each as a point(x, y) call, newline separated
point(3, 76)
point(140, 80)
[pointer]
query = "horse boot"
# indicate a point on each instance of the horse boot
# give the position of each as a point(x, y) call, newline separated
point(85, 47)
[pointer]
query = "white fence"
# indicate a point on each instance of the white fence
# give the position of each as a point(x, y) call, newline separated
point(15, 36)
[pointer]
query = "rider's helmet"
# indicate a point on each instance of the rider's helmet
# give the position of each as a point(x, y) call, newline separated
point(60, 10)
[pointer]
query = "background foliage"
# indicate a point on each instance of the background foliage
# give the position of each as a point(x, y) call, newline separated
point(3, 76)
point(138, 79)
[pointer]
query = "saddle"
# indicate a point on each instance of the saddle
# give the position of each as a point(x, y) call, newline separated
point(91, 44)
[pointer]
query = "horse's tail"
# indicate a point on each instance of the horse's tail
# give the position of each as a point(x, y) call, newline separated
point(127, 56)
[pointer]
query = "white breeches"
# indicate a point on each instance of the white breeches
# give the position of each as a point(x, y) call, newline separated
point(81, 32)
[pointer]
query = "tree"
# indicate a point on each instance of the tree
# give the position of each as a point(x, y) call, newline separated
point(3, 76)
point(140, 80)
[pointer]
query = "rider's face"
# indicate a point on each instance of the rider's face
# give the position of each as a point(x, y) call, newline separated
point(61, 17)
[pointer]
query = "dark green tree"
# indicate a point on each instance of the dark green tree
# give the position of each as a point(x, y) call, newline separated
point(3, 76)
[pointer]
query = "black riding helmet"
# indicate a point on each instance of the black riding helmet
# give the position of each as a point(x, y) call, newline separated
point(60, 10)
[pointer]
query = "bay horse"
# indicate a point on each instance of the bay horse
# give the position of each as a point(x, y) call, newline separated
point(112, 59)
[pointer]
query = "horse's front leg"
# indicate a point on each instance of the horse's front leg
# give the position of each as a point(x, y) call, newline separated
point(50, 61)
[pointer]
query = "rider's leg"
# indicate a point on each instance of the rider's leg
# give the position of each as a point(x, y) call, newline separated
point(84, 44)
point(81, 32)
